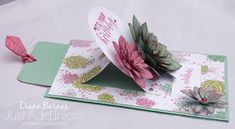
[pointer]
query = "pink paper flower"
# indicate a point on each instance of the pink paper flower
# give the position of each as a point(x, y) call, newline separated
point(130, 60)
point(145, 102)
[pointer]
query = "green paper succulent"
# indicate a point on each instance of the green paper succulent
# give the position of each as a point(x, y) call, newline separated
point(153, 52)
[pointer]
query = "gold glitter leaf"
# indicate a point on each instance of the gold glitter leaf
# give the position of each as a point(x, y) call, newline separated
point(204, 69)
point(106, 98)
point(215, 84)
point(85, 87)
point(74, 62)
point(90, 74)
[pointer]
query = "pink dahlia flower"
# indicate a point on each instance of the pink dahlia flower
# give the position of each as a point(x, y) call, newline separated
point(131, 62)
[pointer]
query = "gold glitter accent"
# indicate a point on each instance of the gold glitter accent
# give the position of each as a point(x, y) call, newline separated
point(90, 74)
point(106, 98)
point(85, 87)
point(74, 62)
point(215, 84)
point(204, 69)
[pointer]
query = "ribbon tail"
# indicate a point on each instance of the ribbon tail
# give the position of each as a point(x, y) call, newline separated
point(15, 44)
point(28, 58)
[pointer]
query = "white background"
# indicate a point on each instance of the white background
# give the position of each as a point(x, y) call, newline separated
point(202, 26)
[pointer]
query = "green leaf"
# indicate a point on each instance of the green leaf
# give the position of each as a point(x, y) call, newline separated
point(155, 71)
point(136, 26)
point(141, 43)
point(148, 37)
point(141, 51)
point(148, 50)
point(144, 30)
point(150, 60)
point(166, 61)
point(132, 31)
point(164, 52)
point(161, 68)
point(156, 47)
point(155, 38)
point(174, 65)
point(151, 38)
point(169, 55)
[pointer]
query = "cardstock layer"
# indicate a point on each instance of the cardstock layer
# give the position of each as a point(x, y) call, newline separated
point(111, 87)
point(43, 71)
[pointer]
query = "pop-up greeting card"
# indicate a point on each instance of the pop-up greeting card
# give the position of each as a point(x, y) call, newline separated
point(127, 66)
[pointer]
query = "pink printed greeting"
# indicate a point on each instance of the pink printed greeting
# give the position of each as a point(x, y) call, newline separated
point(186, 77)
point(103, 27)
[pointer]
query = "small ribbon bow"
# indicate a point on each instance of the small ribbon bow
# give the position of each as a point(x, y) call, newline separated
point(16, 46)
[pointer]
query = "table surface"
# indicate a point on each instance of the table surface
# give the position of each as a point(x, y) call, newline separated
point(202, 26)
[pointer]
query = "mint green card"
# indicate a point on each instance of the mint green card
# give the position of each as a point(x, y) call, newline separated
point(84, 60)
point(66, 67)
point(49, 57)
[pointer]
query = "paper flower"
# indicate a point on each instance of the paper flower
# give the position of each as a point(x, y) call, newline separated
point(145, 102)
point(205, 99)
point(154, 53)
point(131, 62)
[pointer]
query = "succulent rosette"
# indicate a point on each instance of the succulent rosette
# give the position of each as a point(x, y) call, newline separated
point(203, 99)
point(129, 60)
point(153, 52)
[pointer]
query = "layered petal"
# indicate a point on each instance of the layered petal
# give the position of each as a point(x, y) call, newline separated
point(205, 99)
point(131, 61)
point(140, 82)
